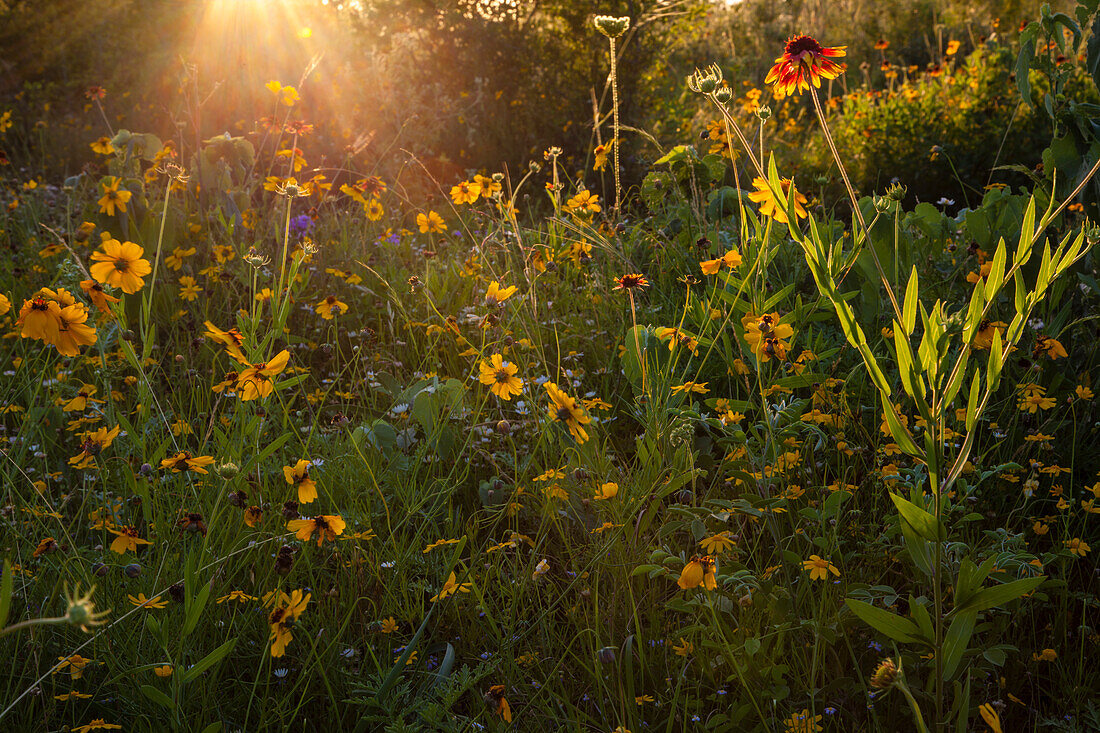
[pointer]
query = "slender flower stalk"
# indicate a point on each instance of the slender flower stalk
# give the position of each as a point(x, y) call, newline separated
point(613, 28)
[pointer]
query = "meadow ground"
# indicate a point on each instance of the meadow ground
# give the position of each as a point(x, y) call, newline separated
point(290, 442)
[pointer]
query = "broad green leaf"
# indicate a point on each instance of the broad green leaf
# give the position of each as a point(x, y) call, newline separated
point(996, 271)
point(923, 618)
point(897, 628)
point(6, 587)
point(209, 660)
point(909, 309)
point(1027, 232)
point(911, 380)
point(445, 666)
point(922, 522)
point(996, 361)
point(158, 697)
point(956, 640)
point(998, 595)
point(899, 432)
point(195, 609)
point(972, 402)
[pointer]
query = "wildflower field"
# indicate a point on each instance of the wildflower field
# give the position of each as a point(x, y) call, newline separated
point(657, 366)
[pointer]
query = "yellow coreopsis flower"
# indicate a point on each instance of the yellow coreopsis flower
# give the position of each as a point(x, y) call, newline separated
point(583, 204)
point(819, 568)
point(466, 192)
point(766, 336)
point(769, 206)
point(283, 616)
point(326, 526)
point(189, 289)
point(287, 96)
point(113, 198)
point(126, 540)
point(698, 571)
point(257, 381)
point(563, 408)
point(120, 264)
point(450, 587)
point(298, 475)
point(501, 377)
point(103, 146)
point(331, 307)
point(495, 294)
point(431, 223)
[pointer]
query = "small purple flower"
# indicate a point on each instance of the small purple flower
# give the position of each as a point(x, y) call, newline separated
point(301, 225)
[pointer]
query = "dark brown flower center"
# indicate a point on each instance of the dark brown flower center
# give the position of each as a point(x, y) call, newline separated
point(502, 376)
point(802, 44)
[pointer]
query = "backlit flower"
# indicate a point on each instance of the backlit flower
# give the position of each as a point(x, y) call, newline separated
point(819, 568)
point(142, 602)
point(257, 381)
point(331, 307)
point(113, 198)
point(631, 282)
point(232, 340)
point(126, 540)
point(431, 223)
point(465, 192)
point(769, 206)
point(497, 703)
point(120, 264)
point(40, 318)
point(583, 204)
point(184, 461)
point(804, 62)
point(450, 587)
point(325, 526)
point(730, 260)
point(563, 408)
point(698, 571)
point(495, 294)
point(501, 377)
point(73, 330)
point(283, 617)
point(767, 336)
point(298, 475)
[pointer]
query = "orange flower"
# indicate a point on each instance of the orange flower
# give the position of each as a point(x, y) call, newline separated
point(804, 62)
point(120, 264)
point(327, 526)
point(184, 461)
point(770, 206)
point(298, 475)
point(40, 318)
point(257, 381)
point(96, 294)
point(698, 571)
point(127, 540)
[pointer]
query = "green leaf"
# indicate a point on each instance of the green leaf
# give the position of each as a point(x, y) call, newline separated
point(955, 642)
point(752, 645)
point(920, 521)
point(923, 618)
point(195, 608)
point(445, 666)
point(972, 402)
point(998, 595)
point(897, 628)
point(209, 660)
point(158, 697)
point(996, 361)
point(909, 310)
point(1027, 231)
point(897, 430)
point(6, 587)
